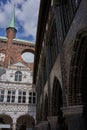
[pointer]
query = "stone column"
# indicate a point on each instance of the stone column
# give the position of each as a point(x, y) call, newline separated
point(16, 96)
point(53, 122)
point(5, 96)
point(43, 125)
point(14, 126)
point(27, 97)
point(73, 117)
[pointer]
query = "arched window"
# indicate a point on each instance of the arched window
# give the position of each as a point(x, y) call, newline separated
point(18, 76)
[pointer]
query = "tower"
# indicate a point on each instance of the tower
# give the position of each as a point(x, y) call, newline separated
point(11, 30)
point(11, 34)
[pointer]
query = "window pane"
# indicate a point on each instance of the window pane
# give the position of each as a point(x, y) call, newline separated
point(24, 93)
point(13, 98)
point(13, 92)
point(20, 77)
point(8, 98)
point(34, 99)
point(9, 92)
point(30, 93)
point(34, 94)
point(19, 99)
point(30, 99)
point(24, 99)
point(2, 91)
point(1, 98)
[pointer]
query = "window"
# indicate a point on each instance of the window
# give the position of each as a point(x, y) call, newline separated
point(18, 76)
point(21, 97)
point(32, 97)
point(11, 96)
point(1, 95)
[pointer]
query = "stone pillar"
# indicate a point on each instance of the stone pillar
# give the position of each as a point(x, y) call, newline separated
point(5, 96)
point(27, 97)
point(53, 122)
point(73, 117)
point(14, 126)
point(43, 125)
point(16, 96)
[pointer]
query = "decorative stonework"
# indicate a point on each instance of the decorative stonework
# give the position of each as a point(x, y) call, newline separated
point(53, 122)
point(43, 125)
point(15, 108)
point(72, 110)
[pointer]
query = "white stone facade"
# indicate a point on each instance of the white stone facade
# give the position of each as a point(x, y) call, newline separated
point(17, 98)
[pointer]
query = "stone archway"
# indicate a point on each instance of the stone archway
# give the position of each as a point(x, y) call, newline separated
point(6, 122)
point(57, 120)
point(78, 73)
point(25, 122)
point(57, 101)
point(78, 69)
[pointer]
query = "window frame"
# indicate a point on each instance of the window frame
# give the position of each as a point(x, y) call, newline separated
point(21, 96)
point(11, 96)
point(32, 97)
point(18, 76)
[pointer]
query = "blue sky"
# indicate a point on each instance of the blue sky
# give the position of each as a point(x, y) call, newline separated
point(26, 17)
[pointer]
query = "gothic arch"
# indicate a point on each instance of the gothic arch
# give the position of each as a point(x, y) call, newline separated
point(57, 101)
point(77, 80)
point(52, 42)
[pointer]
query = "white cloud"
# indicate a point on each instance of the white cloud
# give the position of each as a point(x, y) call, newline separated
point(5, 12)
point(27, 16)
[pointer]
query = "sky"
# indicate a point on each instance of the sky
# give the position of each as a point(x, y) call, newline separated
point(26, 19)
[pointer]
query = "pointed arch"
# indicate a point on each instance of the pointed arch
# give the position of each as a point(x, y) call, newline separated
point(57, 100)
point(78, 76)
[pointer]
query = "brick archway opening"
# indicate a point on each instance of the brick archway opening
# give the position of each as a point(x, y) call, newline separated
point(25, 122)
point(5, 122)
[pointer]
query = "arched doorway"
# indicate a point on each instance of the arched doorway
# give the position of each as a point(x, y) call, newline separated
point(5, 122)
point(25, 122)
point(57, 103)
point(78, 73)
